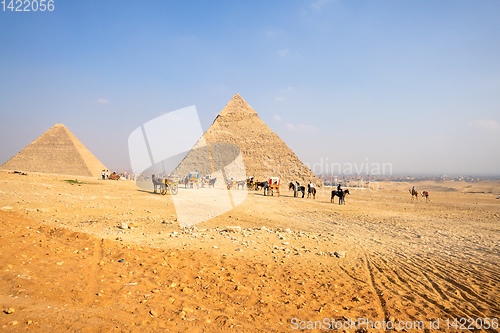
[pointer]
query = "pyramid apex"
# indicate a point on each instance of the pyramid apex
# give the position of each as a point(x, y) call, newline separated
point(237, 105)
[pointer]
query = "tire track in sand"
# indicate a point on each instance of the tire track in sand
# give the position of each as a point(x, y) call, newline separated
point(93, 284)
point(430, 287)
point(375, 287)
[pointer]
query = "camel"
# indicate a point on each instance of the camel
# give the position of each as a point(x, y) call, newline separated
point(413, 193)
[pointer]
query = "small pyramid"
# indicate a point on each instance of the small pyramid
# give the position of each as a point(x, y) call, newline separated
point(264, 152)
point(56, 151)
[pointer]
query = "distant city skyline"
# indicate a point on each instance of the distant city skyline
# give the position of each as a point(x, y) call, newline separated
point(412, 84)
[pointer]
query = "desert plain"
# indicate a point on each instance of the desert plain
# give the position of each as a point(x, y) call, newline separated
point(87, 255)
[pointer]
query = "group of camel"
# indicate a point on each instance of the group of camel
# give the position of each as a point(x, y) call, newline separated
point(414, 193)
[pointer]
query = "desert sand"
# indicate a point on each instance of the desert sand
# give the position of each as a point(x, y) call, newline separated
point(98, 256)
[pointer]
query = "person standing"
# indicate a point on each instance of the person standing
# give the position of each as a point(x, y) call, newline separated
point(107, 174)
point(266, 188)
point(301, 189)
point(102, 173)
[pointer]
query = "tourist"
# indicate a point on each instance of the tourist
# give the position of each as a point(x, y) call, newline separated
point(266, 188)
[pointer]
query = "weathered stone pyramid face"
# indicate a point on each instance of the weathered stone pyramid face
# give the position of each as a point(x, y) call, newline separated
point(56, 151)
point(264, 153)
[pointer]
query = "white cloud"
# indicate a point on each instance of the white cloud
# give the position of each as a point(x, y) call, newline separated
point(318, 4)
point(277, 118)
point(486, 125)
point(283, 52)
point(103, 101)
point(301, 128)
point(270, 33)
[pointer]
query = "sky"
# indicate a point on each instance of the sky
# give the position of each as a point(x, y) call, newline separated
point(346, 84)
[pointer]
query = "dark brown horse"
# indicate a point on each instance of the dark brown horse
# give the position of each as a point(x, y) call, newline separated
point(299, 189)
point(259, 185)
point(211, 182)
point(341, 194)
point(157, 182)
point(311, 191)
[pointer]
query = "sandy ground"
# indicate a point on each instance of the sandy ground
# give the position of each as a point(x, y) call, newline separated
point(67, 265)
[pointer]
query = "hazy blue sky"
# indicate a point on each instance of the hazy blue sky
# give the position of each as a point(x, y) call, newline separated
point(411, 83)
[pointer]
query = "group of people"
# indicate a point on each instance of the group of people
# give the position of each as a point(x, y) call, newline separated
point(297, 188)
point(105, 174)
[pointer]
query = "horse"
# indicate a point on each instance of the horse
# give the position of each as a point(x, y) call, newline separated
point(299, 189)
point(311, 191)
point(413, 192)
point(211, 182)
point(425, 194)
point(341, 194)
point(157, 182)
point(259, 185)
point(241, 183)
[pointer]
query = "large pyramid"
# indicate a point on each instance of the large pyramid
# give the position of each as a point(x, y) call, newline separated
point(56, 151)
point(264, 153)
